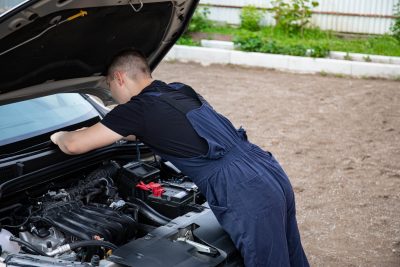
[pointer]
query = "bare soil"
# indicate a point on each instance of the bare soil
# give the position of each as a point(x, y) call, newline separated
point(338, 140)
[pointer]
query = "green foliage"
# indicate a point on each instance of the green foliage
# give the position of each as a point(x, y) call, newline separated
point(309, 42)
point(313, 37)
point(187, 40)
point(320, 50)
point(377, 45)
point(259, 42)
point(292, 16)
point(250, 18)
point(248, 41)
point(395, 28)
point(200, 20)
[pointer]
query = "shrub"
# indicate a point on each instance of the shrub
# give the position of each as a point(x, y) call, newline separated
point(250, 18)
point(292, 16)
point(248, 41)
point(395, 28)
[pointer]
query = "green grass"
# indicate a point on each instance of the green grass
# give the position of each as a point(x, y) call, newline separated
point(375, 45)
point(379, 45)
point(186, 40)
point(222, 29)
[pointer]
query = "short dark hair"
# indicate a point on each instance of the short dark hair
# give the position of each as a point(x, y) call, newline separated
point(131, 61)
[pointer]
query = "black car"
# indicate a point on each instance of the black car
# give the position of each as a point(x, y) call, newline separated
point(121, 205)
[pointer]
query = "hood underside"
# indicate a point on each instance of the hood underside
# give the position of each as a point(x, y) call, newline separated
point(66, 45)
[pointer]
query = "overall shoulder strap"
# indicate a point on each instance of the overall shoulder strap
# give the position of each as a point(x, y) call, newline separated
point(186, 90)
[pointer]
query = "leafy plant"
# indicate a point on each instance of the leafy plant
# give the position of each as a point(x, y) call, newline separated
point(395, 28)
point(250, 18)
point(248, 41)
point(200, 21)
point(293, 16)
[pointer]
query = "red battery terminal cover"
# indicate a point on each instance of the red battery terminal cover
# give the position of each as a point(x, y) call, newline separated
point(155, 188)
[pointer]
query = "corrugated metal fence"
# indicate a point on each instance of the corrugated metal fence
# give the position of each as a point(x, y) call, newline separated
point(354, 16)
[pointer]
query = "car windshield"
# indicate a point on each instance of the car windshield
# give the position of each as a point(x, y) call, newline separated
point(25, 119)
point(9, 4)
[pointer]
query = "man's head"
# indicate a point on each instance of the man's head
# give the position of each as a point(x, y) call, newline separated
point(128, 74)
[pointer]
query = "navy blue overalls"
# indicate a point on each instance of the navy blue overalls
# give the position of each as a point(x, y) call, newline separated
point(246, 188)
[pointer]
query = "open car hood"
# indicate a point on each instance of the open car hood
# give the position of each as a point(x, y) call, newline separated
point(52, 46)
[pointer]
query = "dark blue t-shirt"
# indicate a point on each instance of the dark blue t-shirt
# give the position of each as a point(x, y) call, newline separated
point(158, 124)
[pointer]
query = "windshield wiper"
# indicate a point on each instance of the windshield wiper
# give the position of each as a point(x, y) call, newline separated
point(28, 149)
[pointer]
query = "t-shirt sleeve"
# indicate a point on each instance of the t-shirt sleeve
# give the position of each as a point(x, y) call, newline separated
point(126, 119)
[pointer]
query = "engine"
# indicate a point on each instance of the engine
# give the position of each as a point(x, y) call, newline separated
point(83, 217)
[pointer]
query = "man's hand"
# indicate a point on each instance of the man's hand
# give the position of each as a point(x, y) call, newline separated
point(130, 138)
point(55, 136)
point(85, 139)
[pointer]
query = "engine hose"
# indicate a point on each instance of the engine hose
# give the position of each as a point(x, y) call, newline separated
point(91, 194)
point(144, 204)
point(28, 245)
point(92, 243)
point(81, 244)
point(134, 211)
point(149, 215)
point(149, 212)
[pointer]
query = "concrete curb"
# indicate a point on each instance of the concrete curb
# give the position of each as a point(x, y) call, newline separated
point(365, 58)
point(217, 44)
point(207, 56)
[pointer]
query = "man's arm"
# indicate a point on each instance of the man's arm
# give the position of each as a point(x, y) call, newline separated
point(84, 140)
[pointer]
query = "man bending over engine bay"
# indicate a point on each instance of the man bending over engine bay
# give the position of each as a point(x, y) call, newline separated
point(245, 186)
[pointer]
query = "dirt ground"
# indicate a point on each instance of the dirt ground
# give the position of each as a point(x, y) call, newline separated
point(338, 140)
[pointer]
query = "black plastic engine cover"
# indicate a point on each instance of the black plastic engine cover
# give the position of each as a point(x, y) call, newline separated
point(157, 248)
point(85, 222)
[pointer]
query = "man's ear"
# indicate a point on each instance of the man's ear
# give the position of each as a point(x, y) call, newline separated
point(119, 77)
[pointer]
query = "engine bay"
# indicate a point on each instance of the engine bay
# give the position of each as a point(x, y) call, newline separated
point(84, 216)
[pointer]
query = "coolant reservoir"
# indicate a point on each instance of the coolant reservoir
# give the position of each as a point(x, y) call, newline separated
point(6, 244)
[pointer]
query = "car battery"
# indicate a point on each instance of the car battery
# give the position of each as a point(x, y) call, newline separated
point(133, 173)
point(172, 202)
